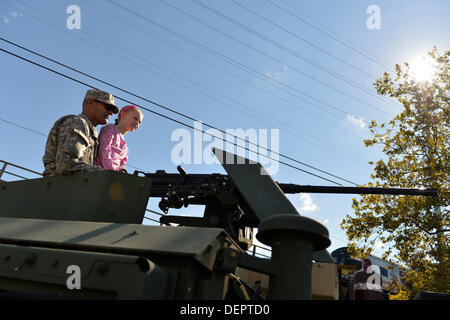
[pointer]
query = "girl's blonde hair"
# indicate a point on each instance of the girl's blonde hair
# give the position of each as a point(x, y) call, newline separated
point(126, 109)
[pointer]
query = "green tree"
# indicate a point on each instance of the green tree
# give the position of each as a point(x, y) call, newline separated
point(417, 148)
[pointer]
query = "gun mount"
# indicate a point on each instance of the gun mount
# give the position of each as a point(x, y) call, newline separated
point(94, 221)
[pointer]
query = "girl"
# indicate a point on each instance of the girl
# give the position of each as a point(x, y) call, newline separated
point(112, 150)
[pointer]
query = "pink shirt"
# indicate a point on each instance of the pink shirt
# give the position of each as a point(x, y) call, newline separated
point(112, 150)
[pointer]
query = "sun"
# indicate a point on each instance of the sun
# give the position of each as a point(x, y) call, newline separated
point(422, 68)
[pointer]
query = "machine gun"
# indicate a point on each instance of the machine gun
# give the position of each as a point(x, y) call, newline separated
point(226, 207)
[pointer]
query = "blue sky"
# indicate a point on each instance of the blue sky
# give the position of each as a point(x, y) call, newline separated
point(306, 68)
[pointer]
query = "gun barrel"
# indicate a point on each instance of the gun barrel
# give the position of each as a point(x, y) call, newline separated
point(293, 188)
point(161, 181)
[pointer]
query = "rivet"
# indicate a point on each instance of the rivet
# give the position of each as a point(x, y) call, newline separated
point(30, 258)
point(102, 267)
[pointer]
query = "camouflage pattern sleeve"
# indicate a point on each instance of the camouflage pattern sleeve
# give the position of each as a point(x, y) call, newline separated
point(50, 153)
point(76, 147)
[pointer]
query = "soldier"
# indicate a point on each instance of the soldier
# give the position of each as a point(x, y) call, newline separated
point(73, 140)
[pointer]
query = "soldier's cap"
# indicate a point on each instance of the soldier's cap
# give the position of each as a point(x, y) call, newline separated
point(102, 96)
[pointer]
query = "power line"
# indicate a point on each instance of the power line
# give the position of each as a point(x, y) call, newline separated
point(253, 48)
point(277, 44)
point(327, 34)
point(168, 109)
point(227, 59)
point(304, 40)
point(201, 93)
point(217, 55)
point(228, 98)
point(28, 129)
point(222, 131)
point(316, 64)
point(179, 122)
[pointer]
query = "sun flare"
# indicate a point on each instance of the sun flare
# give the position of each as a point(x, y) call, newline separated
point(422, 68)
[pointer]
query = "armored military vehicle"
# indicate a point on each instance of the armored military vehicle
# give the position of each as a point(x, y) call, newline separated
point(81, 236)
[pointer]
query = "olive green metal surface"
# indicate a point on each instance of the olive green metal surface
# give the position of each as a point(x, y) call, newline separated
point(42, 272)
point(103, 196)
point(257, 187)
point(111, 237)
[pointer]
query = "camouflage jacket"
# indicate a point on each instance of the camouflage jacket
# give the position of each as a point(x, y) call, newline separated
point(71, 146)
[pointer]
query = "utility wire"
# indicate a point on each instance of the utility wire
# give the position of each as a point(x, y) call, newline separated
point(168, 109)
point(28, 129)
point(201, 93)
point(275, 43)
point(251, 71)
point(327, 34)
point(253, 48)
point(304, 40)
point(179, 122)
point(316, 64)
point(222, 131)
point(233, 62)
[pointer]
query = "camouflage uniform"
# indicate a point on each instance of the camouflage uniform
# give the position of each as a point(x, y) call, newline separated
point(71, 146)
point(73, 141)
